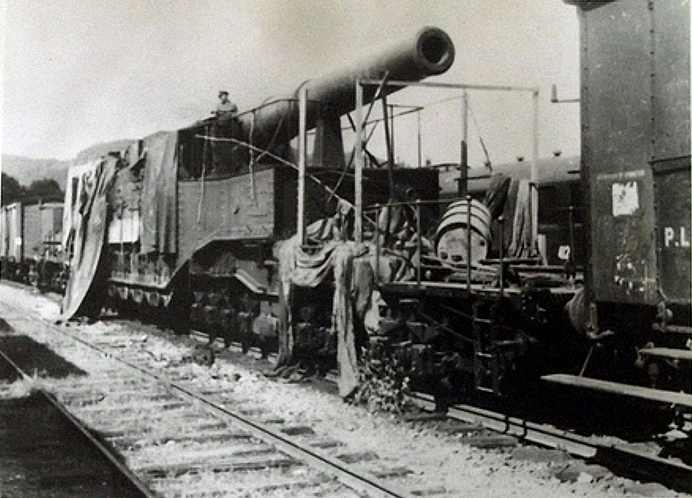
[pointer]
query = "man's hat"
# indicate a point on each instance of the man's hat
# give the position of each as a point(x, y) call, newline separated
point(222, 92)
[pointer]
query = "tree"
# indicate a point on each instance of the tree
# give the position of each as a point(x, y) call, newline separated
point(11, 189)
point(45, 187)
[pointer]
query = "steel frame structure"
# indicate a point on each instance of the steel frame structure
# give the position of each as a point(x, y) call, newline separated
point(360, 84)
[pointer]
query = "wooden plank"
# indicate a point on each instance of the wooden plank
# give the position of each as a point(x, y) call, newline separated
point(425, 417)
point(438, 490)
point(391, 472)
point(361, 456)
point(298, 430)
point(490, 441)
point(174, 470)
point(211, 437)
point(658, 395)
point(327, 444)
point(672, 353)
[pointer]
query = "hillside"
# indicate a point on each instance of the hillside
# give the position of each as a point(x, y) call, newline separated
point(26, 169)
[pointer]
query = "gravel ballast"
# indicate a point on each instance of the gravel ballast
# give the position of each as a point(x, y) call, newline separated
point(436, 458)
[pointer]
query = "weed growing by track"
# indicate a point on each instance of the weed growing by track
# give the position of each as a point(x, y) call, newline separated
point(384, 384)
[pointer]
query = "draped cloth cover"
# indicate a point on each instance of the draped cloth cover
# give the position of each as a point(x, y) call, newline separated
point(521, 225)
point(159, 193)
point(335, 260)
point(86, 234)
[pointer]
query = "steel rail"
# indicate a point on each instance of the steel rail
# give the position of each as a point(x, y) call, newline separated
point(612, 456)
point(316, 459)
point(106, 452)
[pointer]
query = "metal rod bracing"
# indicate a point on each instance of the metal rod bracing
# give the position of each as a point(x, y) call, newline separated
point(468, 242)
point(433, 202)
point(411, 109)
point(501, 222)
point(571, 234)
point(377, 247)
point(458, 86)
point(419, 243)
point(365, 142)
point(378, 93)
point(389, 145)
point(420, 141)
point(462, 187)
point(392, 137)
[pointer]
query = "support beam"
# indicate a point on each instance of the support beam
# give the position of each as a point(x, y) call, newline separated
point(302, 160)
point(388, 128)
point(420, 140)
point(534, 176)
point(358, 193)
point(462, 187)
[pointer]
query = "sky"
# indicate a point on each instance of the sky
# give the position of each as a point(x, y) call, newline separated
point(79, 72)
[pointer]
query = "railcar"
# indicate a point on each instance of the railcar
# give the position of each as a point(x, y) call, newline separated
point(635, 113)
point(30, 249)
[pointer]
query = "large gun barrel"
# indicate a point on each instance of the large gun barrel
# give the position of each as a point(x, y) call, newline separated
point(429, 53)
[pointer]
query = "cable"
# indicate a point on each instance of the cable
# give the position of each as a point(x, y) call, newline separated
point(285, 163)
point(480, 137)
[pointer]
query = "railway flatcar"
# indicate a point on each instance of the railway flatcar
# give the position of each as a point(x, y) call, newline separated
point(30, 248)
point(486, 324)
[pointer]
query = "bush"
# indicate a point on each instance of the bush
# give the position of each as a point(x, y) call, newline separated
point(384, 383)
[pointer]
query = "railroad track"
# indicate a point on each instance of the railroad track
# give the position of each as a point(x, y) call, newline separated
point(624, 459)
point(62, 424)
point(486, 428)
point(477, 425)
point(176, 438)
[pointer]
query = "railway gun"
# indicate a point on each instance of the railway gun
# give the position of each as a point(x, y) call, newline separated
point(190, 218)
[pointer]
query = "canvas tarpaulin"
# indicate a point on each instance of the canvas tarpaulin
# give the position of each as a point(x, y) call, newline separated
point(87, 236)
point(334, 260)
point(159, 191)
point(77, 175)
point(521, 225)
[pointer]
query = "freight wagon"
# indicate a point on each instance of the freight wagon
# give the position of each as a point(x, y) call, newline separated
point(30, 243)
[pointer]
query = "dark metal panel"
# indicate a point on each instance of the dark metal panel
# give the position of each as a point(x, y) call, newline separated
point(51, 221)
point(671, 78)
point(236, 208)
point(673, 221)
point(32, 231)
point(616, 77)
